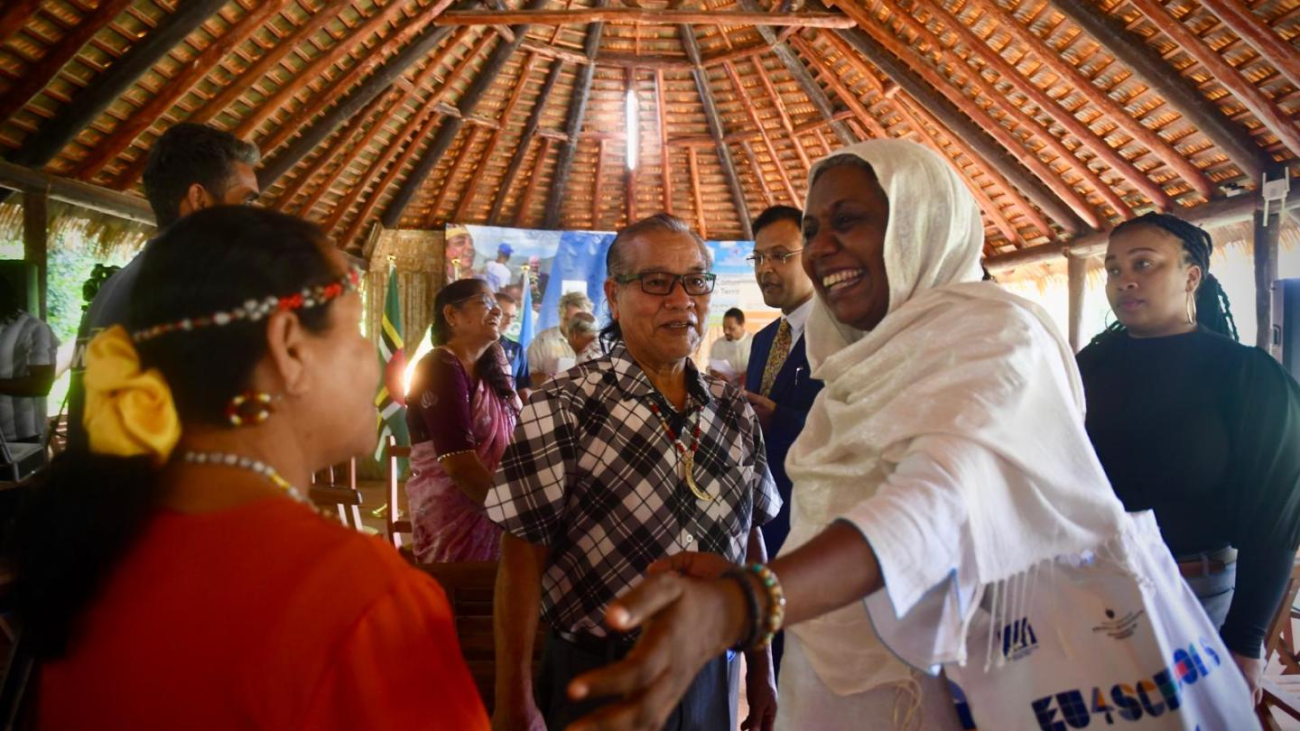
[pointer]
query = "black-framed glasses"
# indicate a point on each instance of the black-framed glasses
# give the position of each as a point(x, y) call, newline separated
point(488, 301)
point(780, 257)
point(663, 283)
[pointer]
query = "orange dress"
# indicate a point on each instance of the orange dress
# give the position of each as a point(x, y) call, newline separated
point(263, 616)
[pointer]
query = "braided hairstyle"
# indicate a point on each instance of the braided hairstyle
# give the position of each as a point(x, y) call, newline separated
point(1213, 311)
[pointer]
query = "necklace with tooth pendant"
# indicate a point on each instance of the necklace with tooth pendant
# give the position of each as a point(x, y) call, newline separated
point(687, 455)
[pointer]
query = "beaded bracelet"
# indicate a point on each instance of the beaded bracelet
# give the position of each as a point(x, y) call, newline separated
point(774, 617)
point(751, 602)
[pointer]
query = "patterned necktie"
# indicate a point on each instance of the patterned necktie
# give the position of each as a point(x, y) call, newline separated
point(776, 358)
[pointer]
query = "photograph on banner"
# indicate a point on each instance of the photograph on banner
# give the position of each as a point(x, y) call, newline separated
point(735, 287)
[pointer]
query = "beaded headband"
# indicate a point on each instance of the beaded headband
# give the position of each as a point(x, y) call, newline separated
point(254, 310)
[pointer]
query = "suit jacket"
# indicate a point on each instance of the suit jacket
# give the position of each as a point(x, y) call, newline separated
point(793, 391)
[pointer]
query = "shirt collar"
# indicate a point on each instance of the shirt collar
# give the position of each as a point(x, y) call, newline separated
point(636, 385)
point(798, 319)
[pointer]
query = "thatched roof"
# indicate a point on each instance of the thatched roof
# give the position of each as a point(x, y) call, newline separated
point(1065, 116)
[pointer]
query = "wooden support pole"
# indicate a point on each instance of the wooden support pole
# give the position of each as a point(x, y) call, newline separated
point(754, 119)
point(573, 126)
point(36, 244)
point(85, 195)
point(639, 16)
point(1251, 29)
point(526, 199)
point(1071, 75)
point(1179, 93)
point(664, 161)
point(531, 128)
point(1077, 273)
point(692, 47)
point(1267, 112)
point(39, 75)
point(700, 220)
point(90, 102)
point(471, 189)
point(1267, 233)
point(450, 126)
point(192, 73)
point(962, 126)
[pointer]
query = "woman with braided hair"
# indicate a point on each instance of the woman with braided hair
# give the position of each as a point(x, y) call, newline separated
point(1198, 428)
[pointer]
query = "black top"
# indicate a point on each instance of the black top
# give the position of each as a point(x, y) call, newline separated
point(1205, 432)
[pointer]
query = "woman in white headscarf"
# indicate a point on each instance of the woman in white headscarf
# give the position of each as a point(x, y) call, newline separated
point(946, 462)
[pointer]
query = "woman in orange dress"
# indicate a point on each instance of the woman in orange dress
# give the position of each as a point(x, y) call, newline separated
point(173, 576)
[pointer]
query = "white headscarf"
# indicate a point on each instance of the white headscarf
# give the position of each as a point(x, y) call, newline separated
point(953, 357)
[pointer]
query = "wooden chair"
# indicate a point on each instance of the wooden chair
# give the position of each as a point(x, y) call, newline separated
point(396, 524)
point(1282, 691)
point(336, 488)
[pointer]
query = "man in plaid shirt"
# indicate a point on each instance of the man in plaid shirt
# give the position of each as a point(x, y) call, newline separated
point(615, 464)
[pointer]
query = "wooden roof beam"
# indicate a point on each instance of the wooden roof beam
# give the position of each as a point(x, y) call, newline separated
point(1071, 75)
point(1179, 93)
point(782, 113)
point(701, 220)
point(178, 86)
point(39, 75)
point(1251, 29)
point(812, 126)
point(1249, 95)
point(526, 200)
point(967, 120)
point(450, 126)
point(595, 185)
point(640, 16)
point(466, 198)
point(799, 71)
point(15, 16)
point(692, 46)
point(547, 50)
point(663, 143)
point(573, 125)
point(1021, 118)
point(457, 164)
point(91, 101)
point(354, 100)
point(234, 90)
point(84, 195)
point(743, 97)
point(531, 129)
point(1053, 110)
point(768, 199)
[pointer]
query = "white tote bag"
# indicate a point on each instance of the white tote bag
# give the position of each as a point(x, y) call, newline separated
point(1089, 644)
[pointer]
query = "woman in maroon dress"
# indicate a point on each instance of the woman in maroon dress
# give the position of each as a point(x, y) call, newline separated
point(461, 412)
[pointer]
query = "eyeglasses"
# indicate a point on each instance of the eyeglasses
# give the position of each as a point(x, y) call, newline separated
point(487, 300)
point(780, 257)
point(663, 283)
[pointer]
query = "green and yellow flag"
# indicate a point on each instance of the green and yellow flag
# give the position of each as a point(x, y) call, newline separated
point(391, 399)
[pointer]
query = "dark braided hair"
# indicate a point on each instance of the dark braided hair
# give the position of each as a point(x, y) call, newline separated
point(489, 365)
point(1213, 311)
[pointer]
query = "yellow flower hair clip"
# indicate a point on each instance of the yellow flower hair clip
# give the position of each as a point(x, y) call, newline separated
point(129, 412)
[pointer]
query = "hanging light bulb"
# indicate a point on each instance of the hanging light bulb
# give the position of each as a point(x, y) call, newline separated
point(631, 111)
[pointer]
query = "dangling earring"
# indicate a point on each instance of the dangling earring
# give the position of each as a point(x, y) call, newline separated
point(1191, 308)
point(250, 407)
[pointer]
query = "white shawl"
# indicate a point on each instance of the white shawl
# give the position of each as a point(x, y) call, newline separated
point(957, 358)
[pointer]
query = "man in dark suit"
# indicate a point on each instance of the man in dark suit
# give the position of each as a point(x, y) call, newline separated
point(781, 387)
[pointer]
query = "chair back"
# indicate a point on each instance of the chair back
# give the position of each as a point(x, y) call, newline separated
point(397, 524)
point(336, 488)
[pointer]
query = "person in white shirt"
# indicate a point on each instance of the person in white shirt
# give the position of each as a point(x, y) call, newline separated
point(496, 272)
point(732, 348)
point(551, 345)
point(27, 353)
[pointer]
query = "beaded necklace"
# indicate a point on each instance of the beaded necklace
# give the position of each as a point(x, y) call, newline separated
point(687, 455)
point(247, 463)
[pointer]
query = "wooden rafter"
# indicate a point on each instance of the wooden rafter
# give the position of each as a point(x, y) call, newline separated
point(457, 164)
point(1049, 106)
point(43, 71)
point(743, 97)
point(82, 195)
point(700, 218)
point(319, 66)
point(178, 86)
point(573, 125)
point(768, 199)
point(521, 84)
point(1180, 94)
point(782, 113)
point(15, 16)
point(91, 101)
point(752, 135)
point(1022, 119)
point(799, 72)
point(447, 132)
point(1069, 73)
point(423, 118)
point(526, 200)
point(531, 129)
point(354, 98)
point(595, 185)
point(1248, 26)
point(639, 16)
point(1264, 109)
point(972, 129)
point(664, 162)
point(234, 90)
point(692, 47)
point(836, 84)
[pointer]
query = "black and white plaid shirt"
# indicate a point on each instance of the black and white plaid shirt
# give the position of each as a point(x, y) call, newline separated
point(592, 474)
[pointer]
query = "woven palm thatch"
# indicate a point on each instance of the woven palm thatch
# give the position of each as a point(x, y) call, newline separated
point(1064, 116)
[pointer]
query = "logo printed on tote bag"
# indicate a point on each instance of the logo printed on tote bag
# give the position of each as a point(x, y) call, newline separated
point(1018, 639)
point(1121, 628)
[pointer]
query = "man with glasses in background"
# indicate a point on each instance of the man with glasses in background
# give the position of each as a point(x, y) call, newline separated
point(781, 386)
point(617, 463)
